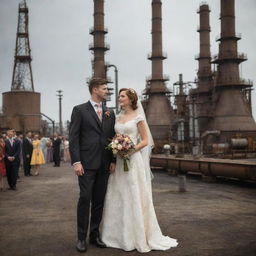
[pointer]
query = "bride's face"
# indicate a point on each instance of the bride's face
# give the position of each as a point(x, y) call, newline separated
point(123, 99)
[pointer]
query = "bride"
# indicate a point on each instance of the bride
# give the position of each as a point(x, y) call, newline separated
point(129, 220)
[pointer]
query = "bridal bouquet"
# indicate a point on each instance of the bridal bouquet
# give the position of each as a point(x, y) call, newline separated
point(122, 145)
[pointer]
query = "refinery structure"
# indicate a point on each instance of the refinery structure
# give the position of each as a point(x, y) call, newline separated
point(21, 105)
point(214, 117)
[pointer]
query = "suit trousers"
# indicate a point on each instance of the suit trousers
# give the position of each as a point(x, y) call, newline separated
point(93, 186)
point(56, 157)
point(26, 165)
point(12, 169)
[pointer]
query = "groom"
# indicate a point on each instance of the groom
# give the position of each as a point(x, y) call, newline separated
point(91, 129)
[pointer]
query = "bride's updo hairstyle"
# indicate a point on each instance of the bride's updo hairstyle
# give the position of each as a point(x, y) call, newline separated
point(132, 95)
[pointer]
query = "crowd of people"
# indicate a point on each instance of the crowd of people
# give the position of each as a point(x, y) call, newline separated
point(29, 151)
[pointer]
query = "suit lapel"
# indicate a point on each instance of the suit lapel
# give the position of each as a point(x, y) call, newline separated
point(8, 142)
point(93, 113)
point(103, 116)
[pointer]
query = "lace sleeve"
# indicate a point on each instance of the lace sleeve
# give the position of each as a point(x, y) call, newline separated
point(139, 118)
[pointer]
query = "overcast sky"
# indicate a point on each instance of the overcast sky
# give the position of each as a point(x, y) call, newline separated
point(59, 38)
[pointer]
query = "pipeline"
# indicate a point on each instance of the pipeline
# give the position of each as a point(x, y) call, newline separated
point(240, 169)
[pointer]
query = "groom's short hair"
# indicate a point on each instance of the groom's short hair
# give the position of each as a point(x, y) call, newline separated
point(95, 83)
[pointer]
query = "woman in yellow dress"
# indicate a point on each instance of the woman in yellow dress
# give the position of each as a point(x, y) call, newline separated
point(37, 158)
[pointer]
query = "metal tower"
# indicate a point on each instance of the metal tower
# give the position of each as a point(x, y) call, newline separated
point(22, 78)
point(203, 93)
point(232, 112)
point(99, 47)
point(21, 105)
point(158, 107)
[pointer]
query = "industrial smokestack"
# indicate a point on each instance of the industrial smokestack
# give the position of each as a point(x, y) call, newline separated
point(99, 47)
point(158, 110)
point(204, 57)
point(202, 94)
point(232, 113)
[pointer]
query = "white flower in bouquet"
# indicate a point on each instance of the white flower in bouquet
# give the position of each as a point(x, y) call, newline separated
point(119, 147)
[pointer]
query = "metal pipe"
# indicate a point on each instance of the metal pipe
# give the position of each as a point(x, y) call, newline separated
point(239, 169)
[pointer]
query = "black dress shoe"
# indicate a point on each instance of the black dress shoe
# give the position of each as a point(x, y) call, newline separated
point(81, 246)
point(98, 242)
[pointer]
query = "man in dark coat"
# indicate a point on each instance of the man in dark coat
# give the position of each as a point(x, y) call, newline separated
point(12, 158)
point(56, 149)
point(91, 129)
point(27, 149)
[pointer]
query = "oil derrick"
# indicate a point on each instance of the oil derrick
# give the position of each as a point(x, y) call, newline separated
point(99, 47)
point(202, 95)
point(232, 111)
point(21, 105)
point(22, 79)
point(158, 107)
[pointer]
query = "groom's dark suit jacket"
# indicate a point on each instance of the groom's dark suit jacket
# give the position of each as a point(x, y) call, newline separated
point(12, 150)
point(89, 137)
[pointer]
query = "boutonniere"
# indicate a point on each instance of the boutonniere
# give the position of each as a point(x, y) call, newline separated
point(107, 113)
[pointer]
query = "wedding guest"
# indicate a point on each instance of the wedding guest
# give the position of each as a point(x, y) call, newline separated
point(27, 149)
point(2, 164)
point(61, 148)
point(43, 145)
point(49, 157)
point(12, 158)
point(37, 158)
point(66, 155)
point(56, 149)
point(20, 138)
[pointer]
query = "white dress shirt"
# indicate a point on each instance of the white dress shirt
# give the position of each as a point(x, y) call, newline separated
point(94, 105)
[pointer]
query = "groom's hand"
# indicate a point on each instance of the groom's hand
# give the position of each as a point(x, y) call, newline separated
point(112, 167)
point(78, 168)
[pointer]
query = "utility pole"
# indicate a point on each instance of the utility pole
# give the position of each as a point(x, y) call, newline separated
point(60, 110)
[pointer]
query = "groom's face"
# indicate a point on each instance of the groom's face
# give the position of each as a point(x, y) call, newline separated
point(102, 91)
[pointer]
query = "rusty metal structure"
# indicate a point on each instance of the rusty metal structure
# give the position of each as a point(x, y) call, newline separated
point(99, 47)
point(209, 168)
point(21, 105)
point(232, 115)
point(180, 125)
point(158, 108)
point(202, 95)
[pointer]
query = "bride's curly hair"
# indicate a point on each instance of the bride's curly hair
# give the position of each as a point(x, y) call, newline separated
point(132, 95)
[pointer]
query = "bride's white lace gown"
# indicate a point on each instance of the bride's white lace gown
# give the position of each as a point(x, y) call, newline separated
point(129, 221)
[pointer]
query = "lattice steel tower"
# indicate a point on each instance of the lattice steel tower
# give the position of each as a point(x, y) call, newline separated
point(22, 78)
point(22, 105)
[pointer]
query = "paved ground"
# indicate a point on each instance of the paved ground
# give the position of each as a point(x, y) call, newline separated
point(211, 219)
